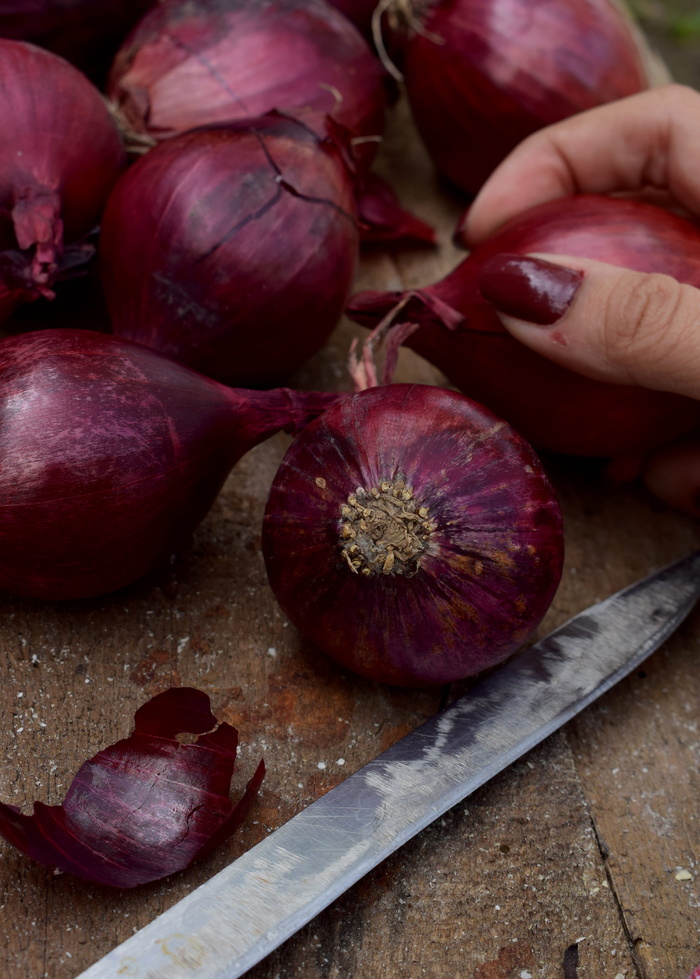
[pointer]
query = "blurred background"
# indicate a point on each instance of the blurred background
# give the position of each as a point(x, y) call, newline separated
point(673, 29)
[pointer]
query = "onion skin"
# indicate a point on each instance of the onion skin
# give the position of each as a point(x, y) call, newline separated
point(490, 564)
point(111, 455)
point(60, 155)
point(233, 249)
point(553, 408)
point(145, 807)
point(191, 63)
point(506, 68)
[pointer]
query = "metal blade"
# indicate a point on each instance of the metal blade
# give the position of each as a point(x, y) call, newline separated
point(238, 917)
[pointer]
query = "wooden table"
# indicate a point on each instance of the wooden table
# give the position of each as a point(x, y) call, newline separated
point(591, 837)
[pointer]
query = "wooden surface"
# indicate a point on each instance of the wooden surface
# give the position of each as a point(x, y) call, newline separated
point(584, 839)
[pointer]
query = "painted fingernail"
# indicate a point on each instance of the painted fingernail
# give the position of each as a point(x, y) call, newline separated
point(529, 288)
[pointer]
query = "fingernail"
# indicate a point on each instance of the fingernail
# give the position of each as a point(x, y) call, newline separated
point(529, 288)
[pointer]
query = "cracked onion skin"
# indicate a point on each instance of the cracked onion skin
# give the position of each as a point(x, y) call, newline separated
point(233, 249)
point(191, 63)
point(413, 535)
point(552, 407)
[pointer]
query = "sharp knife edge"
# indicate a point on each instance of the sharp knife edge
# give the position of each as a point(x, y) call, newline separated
point(239, 916)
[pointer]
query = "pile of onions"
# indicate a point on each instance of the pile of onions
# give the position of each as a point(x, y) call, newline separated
point(412, 535)
point(85, 32)
point(481, 75)
point(233, 249)
point(60, 155)
point(195, 62)
point(552, 407)
point(111, 455)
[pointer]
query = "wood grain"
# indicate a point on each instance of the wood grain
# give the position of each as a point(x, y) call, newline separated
point(583, 839)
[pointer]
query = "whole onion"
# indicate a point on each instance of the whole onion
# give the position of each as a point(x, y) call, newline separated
point(481, 75)
point(60, 155)
point(233, 249)
point(412, 535)
point(195, 62)
point(550, 406)
point(85, 32)
point(111, 455)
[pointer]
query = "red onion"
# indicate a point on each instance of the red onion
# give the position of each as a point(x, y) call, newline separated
point(233, 249)
point(146, 806)
point(60, 155)
point(550, 406)
point(111, 455)
point(412, 535)
point(481, 75)
point(85, 32)
point(195, 62)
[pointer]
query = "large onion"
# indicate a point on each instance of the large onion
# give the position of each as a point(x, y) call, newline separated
point(111, 455)
point(482, 74)
point(233, 249)
point(551, 406)
point(413, 535)
point(195, 62)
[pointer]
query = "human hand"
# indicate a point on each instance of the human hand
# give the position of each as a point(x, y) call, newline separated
point(606, 322)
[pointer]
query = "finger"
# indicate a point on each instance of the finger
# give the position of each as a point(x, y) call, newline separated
point(648, 140)
point(609, 323)
point(673, 475)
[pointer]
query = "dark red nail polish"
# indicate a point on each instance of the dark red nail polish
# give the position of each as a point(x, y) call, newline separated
point(529, 288)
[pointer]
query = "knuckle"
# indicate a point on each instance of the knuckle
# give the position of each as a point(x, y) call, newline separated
point(642, 321)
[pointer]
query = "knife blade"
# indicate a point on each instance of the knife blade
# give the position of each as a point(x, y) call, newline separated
point(244, 912)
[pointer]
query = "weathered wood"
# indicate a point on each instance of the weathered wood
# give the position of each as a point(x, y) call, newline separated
point(583, 839)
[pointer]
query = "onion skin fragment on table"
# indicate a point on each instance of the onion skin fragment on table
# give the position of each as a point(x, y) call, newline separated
point(146, 806)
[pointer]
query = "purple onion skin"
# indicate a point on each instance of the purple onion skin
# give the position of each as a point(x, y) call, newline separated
point(60, 155)
point(553, 408)
point(111, 455)
point(489, 565)
point(506, 68)
point(145, 807)
point(233, 250)
point(196, 62)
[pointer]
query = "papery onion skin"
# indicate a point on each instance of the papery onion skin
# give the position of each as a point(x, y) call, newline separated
point(196, 62)
point(552, 407)
point(488, 564)
point(145, 807)
point(233, 249)
point(481, 75)
point(111, 455)
point(60, 155)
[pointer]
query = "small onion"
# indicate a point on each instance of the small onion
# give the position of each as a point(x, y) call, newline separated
point(482, 74)
point(550, 406)
point(195, 62)
point(233, 249)
point(412, 535)
point(111, 455)
point(60, 155)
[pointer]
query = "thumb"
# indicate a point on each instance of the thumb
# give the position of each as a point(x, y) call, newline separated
point(609, 323)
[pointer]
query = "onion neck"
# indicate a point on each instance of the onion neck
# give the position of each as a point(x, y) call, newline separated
point(261, 414)
point(38, 227)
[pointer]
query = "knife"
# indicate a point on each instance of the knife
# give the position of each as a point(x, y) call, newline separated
point(239, 916)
